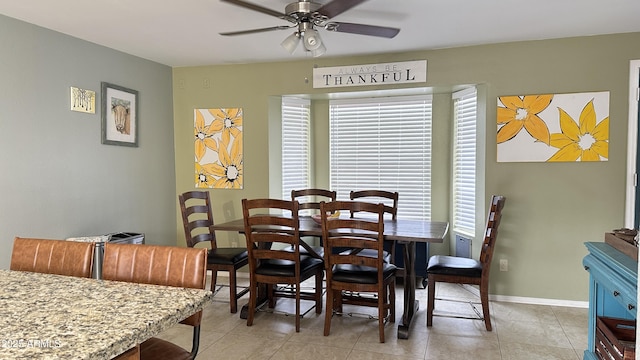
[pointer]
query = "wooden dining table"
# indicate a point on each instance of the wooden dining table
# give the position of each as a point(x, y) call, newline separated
point(46, 316)
point(403, 231)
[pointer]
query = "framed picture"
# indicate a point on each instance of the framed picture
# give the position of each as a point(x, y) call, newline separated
point(83, 100)
point(119, 115)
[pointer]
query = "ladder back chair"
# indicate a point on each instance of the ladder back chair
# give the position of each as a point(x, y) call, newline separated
point(160, 265)
point(390, 201)
point(197, 219)
point(351, 271)
point(309, 204)
point(60, 257)
point(273, 242)
point(388, 198)
point(309, 199)
point(458, 270)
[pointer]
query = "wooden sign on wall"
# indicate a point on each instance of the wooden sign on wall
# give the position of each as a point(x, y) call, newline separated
point(371, 74)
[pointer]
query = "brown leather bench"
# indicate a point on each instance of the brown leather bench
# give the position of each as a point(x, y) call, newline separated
point(52, 256)
point(159, 265)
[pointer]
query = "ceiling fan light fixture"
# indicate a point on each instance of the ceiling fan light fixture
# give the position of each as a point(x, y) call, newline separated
point(312, 40)
point(291, 42)
point(319, 51)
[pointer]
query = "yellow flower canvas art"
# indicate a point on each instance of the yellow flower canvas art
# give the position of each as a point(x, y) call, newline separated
point(218, 148)
point(553, 127)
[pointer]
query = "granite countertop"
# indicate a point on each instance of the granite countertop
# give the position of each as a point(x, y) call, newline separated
point(95, 239)
point(45, 316)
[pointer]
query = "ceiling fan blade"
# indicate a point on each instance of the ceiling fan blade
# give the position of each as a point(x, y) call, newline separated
point(362, 29)
point(253, 31)
point(337, 7)
point(258, 8)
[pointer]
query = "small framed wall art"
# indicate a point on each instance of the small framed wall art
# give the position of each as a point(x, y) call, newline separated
point(83, 100)
point(119, 115)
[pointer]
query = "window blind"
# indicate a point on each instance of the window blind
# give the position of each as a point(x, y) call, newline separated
point(464, 162)
point(384, 144)
point(295, 145)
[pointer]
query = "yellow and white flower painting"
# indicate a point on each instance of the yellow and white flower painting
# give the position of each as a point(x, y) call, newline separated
point(218, 148)
point(553, 128)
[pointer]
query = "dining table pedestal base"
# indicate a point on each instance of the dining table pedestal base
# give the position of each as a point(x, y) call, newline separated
point(411, 305)
point(260, 302)
point(403, 328)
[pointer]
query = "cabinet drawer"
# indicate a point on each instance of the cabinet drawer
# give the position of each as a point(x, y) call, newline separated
point(612, 283)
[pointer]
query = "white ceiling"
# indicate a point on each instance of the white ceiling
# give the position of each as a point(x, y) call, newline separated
point(185, 32)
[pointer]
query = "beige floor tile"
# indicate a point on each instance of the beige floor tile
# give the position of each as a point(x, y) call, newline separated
point(520, 331)
point(580, 353)
point(273, 326)
point(281, 319)
point(369, 341)
point(449, 308)
point(367, 355)
point(217, 318)
point(462, 327)
point(457, 291)
point(504, 311)
point(573, 317)
point(519, 351)
point(578, 337)
point(242, 346)
point(344, 332)
point(460, 347)
point(540, 334)
point(181, 335)
point(309, 351)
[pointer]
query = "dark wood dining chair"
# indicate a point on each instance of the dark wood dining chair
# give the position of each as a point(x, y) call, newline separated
point(351, 271)
point(197, 219)
point(309, 199)
point(390, 201)
point(47, 256)
point(273, 242)
point(160, 265)
point(309, 204)
point(451, 269)
point(388, 198)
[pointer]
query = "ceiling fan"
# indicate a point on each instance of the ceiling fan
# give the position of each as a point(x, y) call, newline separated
point(305, 16)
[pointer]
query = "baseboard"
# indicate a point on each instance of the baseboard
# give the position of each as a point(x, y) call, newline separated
point(532, 301)
point(540, 301)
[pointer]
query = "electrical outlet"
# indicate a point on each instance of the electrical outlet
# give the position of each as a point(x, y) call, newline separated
point(504, 265)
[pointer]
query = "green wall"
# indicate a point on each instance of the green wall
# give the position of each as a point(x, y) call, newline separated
point(551, 208)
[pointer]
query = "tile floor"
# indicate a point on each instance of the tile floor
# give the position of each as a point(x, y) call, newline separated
point(520, 331)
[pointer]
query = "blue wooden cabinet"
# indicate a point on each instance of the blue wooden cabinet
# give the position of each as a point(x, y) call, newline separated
point(613, 279)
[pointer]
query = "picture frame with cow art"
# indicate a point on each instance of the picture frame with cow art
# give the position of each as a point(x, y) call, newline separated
point(119, 115)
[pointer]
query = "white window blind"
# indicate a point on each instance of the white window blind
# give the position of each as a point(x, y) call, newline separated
point(383, 144)
point(464, 162)
point(295, 145)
